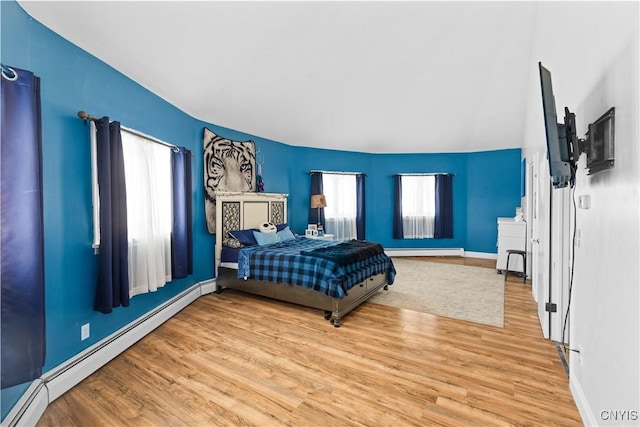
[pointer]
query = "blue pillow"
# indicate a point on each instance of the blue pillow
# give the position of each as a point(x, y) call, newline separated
point(285, 234)
point(266, 238)
point(245, 237)
point(280, 227)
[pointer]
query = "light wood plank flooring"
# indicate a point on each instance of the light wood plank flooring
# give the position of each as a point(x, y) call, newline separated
point(233, 359)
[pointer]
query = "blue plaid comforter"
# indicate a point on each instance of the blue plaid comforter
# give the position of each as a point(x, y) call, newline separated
point(284, 263)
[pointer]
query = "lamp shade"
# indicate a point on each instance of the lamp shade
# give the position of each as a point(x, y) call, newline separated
point(318, 201)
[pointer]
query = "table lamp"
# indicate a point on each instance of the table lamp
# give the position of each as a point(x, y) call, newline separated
point(318, 201)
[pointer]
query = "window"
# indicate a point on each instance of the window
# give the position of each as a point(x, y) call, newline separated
point(418, 206)
point(148, 181)
point(423, 206)
point(148, 178)
point(341, 211)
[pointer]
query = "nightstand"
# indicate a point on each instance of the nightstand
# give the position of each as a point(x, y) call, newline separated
point(323, 237)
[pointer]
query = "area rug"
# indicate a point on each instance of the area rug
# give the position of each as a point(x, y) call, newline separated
point(461, 292)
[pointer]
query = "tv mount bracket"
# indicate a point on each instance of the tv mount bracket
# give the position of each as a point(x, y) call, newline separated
point(578, 145)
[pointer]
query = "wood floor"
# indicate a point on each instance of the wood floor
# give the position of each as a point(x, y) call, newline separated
point(232, 359)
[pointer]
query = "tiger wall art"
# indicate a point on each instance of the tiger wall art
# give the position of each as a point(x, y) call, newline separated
point(228, 166)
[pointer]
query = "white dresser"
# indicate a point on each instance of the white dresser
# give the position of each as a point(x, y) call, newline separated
point(511, 235)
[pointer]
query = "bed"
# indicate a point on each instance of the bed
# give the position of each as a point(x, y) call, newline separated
point(331, 276)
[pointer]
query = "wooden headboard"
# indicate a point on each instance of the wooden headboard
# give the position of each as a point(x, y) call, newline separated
point(239, 211)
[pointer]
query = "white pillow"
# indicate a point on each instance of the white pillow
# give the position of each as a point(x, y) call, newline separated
point(267, 227)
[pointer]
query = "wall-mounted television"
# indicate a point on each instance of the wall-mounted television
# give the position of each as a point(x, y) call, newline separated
point(561, 137)
point(600, 143)
point(563, 145)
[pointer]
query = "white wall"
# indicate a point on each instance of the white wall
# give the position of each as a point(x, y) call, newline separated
point(592, 51)
point(604, 320)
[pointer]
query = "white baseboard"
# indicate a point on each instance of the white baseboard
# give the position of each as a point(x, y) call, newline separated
point(588, 417)
point(30, 407)
point(400, 252)
point(208, 287)
point(483, 255)
point(54, 383)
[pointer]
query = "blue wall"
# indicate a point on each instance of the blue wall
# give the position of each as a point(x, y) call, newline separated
point(486, 184)
point(73, 80)
point(493, 183)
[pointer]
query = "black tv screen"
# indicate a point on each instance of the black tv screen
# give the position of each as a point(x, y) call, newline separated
point(559, 150)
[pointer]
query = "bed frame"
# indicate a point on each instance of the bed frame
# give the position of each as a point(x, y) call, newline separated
point(239, 211)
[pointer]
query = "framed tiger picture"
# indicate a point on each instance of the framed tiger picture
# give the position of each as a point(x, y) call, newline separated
point(228, 166)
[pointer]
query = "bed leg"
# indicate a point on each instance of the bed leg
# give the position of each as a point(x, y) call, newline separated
point(386, 287)
point(336, 323)
point(327, 315)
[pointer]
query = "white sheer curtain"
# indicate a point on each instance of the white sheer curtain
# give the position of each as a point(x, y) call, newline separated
point(148, 180)
point(340, 213)
point(418, 206)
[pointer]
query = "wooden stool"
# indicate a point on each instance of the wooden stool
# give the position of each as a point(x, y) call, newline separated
point(524, 263)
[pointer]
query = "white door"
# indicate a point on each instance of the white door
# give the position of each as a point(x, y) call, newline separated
point(560, 258)
point(550, 251)
point(531, 201)
point(541, 249)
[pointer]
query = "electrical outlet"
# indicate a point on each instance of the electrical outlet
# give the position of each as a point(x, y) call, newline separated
point(84, 332)
point(580, 355)
point(584, 201)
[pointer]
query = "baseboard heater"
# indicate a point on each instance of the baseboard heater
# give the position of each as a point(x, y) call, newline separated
point(424, 252)
point(59, 380)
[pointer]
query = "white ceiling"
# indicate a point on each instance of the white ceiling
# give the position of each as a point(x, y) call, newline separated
point(361, 76)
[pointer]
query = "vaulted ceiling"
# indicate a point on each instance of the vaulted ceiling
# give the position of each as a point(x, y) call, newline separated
point(375, 76)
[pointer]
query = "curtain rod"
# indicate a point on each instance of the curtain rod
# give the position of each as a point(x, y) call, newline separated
point(337, 172)
point(9, 73)
point(86, 116)
point(423, 174)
